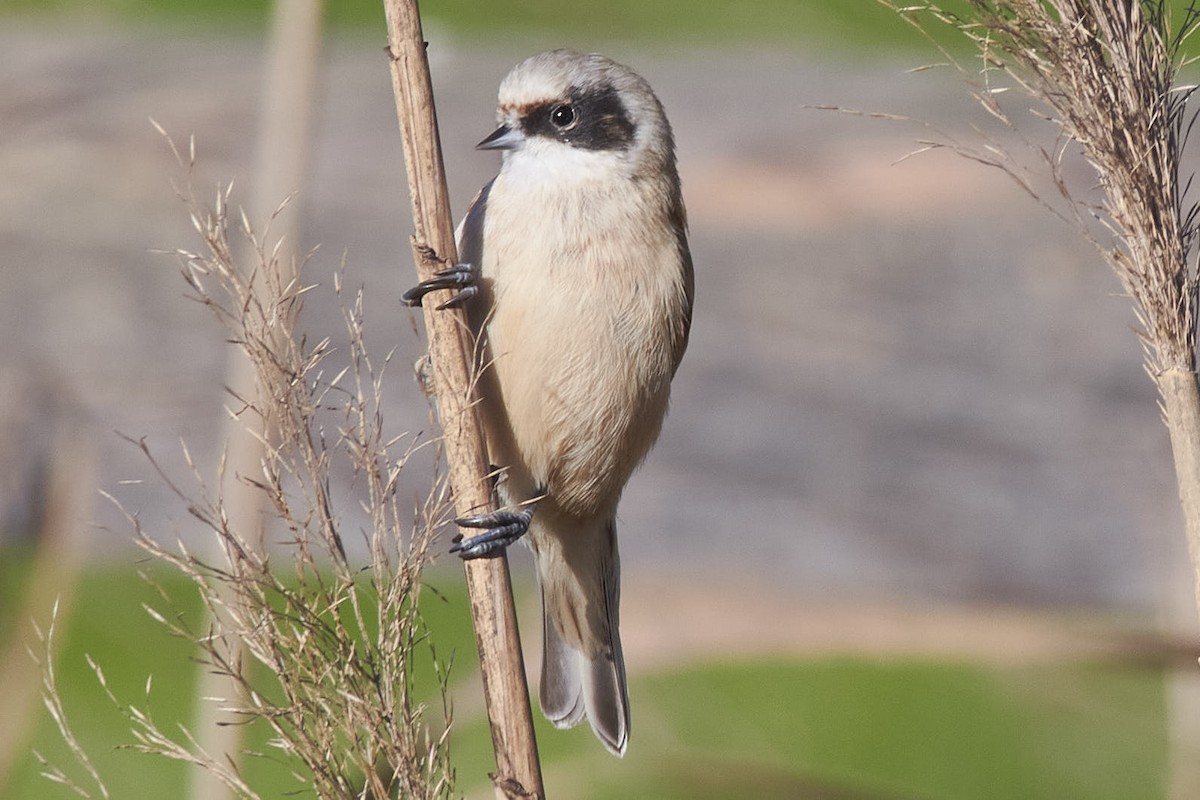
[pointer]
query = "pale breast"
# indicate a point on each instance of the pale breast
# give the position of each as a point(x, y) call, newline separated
point(580, 338)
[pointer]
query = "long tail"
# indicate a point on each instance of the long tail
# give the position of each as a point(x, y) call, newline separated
point(583, 671)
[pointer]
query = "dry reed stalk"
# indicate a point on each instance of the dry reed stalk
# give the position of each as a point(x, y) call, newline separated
point(451, 349)
point(1107, 70)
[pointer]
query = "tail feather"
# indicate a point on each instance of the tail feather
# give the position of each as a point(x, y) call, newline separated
point(561, 690)
point(575, 684)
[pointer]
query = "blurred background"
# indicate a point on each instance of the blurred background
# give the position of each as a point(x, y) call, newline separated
point(911, 530)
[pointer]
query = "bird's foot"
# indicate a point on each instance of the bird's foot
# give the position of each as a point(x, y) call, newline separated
point(502, 529)
point(462, 277)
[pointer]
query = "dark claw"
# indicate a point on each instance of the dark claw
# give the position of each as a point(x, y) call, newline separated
point(503, 528)
point(462, 277)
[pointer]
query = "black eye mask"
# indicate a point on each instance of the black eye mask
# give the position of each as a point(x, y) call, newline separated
point(591, 119)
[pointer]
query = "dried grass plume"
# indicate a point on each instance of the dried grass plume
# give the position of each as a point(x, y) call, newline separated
point(1105, 72)
point(318, 648)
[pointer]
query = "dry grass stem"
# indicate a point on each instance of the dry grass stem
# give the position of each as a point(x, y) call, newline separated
point(451, 350)
point(52, 699)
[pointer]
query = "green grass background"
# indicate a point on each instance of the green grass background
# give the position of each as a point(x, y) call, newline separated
point(726, 728)
point(858, 28)
point(863, 26)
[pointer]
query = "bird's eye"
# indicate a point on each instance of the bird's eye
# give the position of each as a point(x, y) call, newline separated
point(562, 116)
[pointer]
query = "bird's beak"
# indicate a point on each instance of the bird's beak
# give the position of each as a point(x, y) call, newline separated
point(503, 138)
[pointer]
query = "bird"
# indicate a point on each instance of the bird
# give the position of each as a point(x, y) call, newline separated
point(576, 276)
